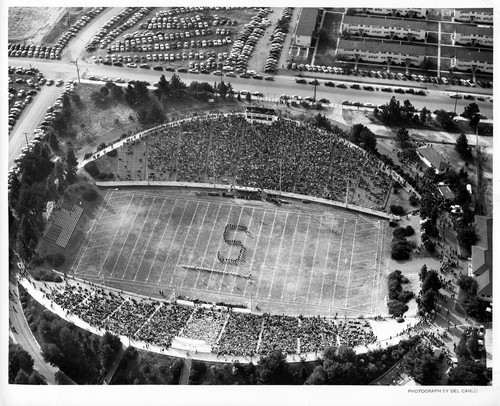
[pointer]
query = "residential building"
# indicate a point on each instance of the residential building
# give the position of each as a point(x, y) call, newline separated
point(430, 157)
point(466, 60)
point(481, 262)
point(381, 52)
point(472, 35)
point(305, 27)
point(446, 192)
point(474, 15)
point(260, 115)
point(399, 12)
point(393, 28)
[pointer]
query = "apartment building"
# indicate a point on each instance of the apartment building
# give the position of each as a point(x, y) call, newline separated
point(474, 15)
point(466, 60)
point(473, 35)
point(306, 25)
point(260, 115)
point(400, 12)
point(380, 52)
point(384, 27)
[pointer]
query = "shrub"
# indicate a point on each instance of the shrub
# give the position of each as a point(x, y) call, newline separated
point(413, 200)
point(89, 195)
point(87, 155)
point(430, 246)
point(91, 168)
point(112, 153)
point(396, 307)
point(397, 210)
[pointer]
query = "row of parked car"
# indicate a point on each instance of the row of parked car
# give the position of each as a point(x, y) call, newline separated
point(164, 17)
point(277, 40)
point(246, 41)
point(54, 51)
point(183, 23)
point(107, 33)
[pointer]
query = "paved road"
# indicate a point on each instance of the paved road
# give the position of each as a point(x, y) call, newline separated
point(21, 333)
point(186, 372)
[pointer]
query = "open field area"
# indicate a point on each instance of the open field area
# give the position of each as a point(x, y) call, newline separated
point(320, 261)
point(32, 23)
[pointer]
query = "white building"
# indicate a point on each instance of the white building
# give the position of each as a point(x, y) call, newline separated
point(400, 12)
point(385, 27)
point(465, 60)
point(305, 27)
point(381, 52)
point(474, 15)
point(473, 35)
point(260, 115)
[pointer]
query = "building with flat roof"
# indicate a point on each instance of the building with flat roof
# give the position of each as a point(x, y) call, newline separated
point(446, 192)
point(399, 12)
point(474, 15)
point(472, 35)
point(465, 60)
point(481, 262)
point(380, 52)
point(260, 115)
point(432, 159)
point(393, 28)
point(305, 27)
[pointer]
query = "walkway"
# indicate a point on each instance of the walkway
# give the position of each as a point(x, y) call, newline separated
point(186, 372)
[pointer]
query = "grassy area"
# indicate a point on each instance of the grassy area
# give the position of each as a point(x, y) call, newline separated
point(32, 23)
point(327, 45)
point(70, 16)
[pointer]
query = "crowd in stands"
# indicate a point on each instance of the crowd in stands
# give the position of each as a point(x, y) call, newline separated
point(241, 335)
point(228, 332)
point(286, 154)
point(165, 324)
point(205, 325)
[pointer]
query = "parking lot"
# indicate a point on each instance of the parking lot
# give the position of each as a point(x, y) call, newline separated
point(196, 39)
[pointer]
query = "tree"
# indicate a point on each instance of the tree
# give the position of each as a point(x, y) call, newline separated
point(36, 379)
point(71, 166)
point(426, 64)
point(222, 89)
point(474, 121)
point(318, 377)
point(467, 236)
point(272, 368)
point(52, 354)
point(141, 92)
point(424, 113)
point(104, 92)
point(177, 87)
point(462, 147)
point(427, 302)
point(109, 346)
point(162, 88)
point(248, 97)
point(407, 110)
point(391, 111)
point(468, 373)
point(402, 136)
point(423, 273)
point(422, 365)
point(445, 119)
point(19, 359)
point(470, 111)
point(431, 281)
point(363, 136)
point(130, 95)
point(22, 378)
point(53, 141)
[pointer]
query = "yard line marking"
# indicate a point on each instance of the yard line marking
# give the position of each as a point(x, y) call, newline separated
point(278, 255)
point(326, 261)
point(116, 234)
point(184, 243)
point(208, 243)
point(161, 239)
point(196, 241)
point(245, 242)
point(255, 250)
point(302, 259)
point(376, 277)
point(230, 252)
point(150, 236)
point(338, 264)
point(290, 256)
point(362, 261)
point(265, 255)
point(314, 260)
point(350, 266)
point(218, 248)
point(171, 242)
point(125, 239)
point(138, 237)
point(101, 210)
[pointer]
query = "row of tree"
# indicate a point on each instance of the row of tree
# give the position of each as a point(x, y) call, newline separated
point(430, 285)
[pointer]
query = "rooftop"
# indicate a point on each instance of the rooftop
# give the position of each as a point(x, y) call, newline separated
point(307, 21)
point(473, 30)
point(475, 10)
point(433, 157)
point(379, 46)
point(261, 110)
point(446, 192)
point(385, 22)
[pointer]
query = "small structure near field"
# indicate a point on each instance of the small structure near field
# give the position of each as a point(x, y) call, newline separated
point(432, 159)
point(260, 115)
